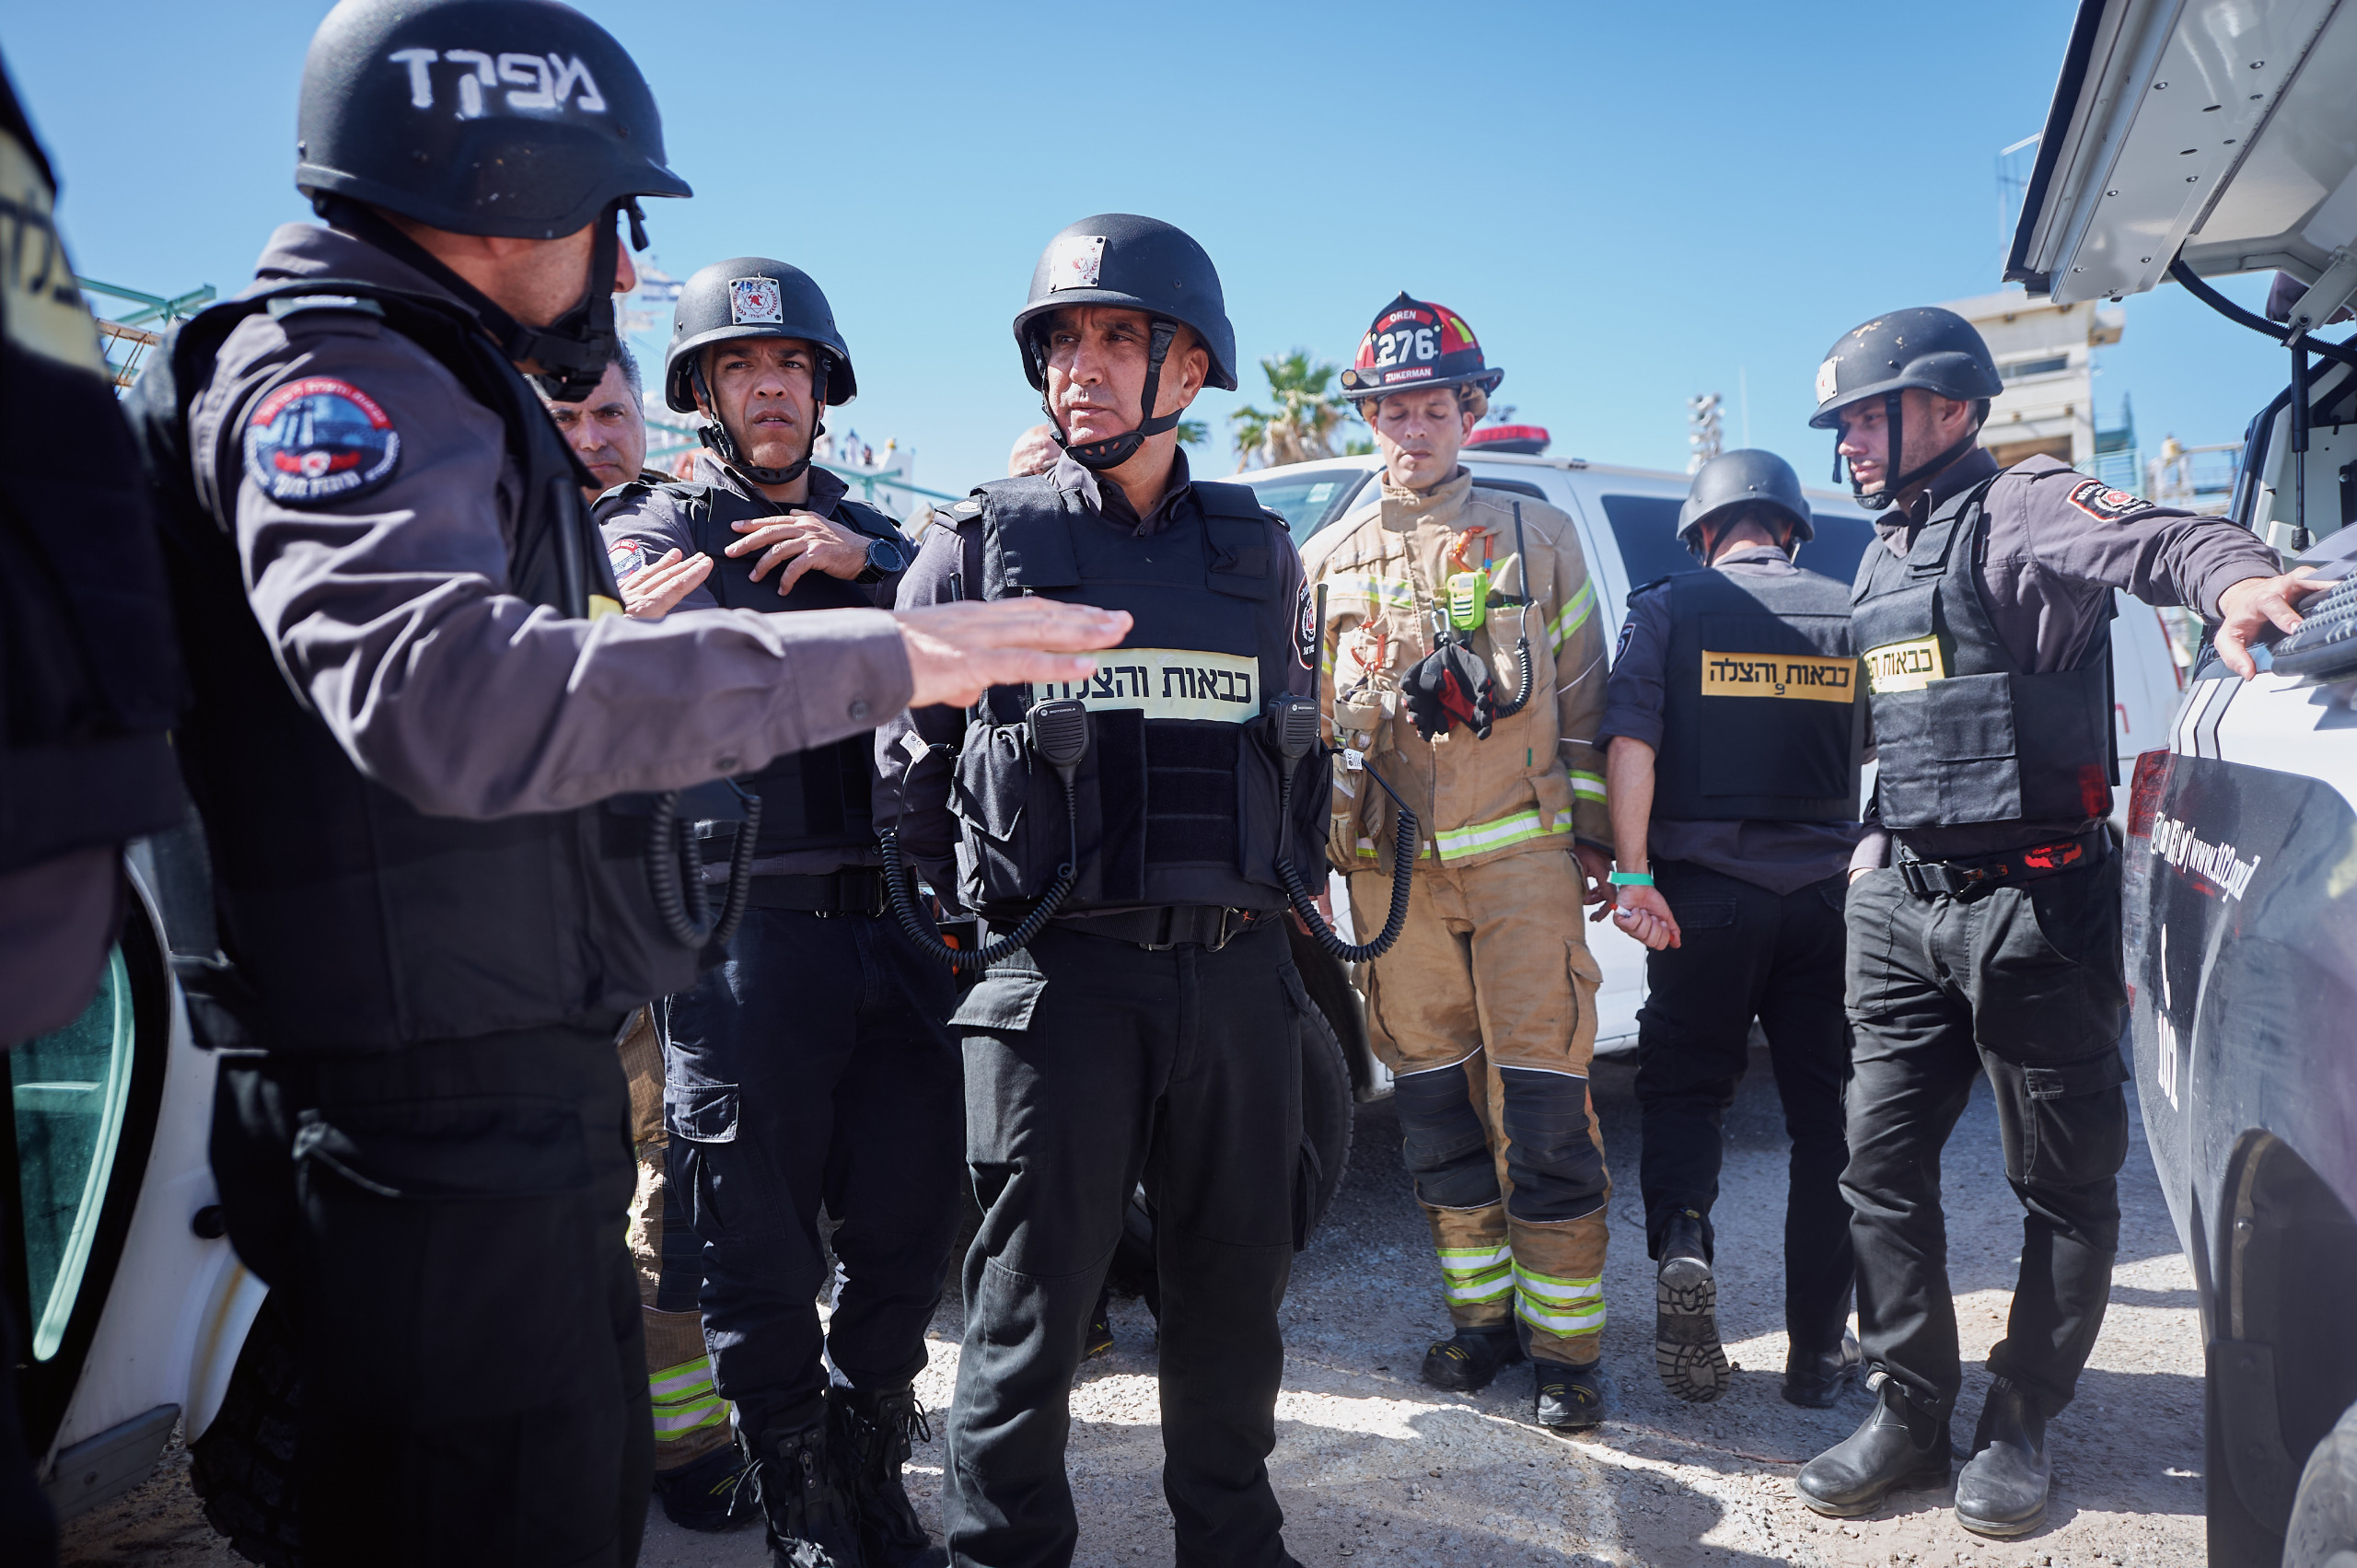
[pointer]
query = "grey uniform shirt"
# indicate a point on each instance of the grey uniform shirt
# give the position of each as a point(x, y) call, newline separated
point(915, 794)
point(1780, 856)
point(2054, 544)
point(640, 533)
point(390, 613)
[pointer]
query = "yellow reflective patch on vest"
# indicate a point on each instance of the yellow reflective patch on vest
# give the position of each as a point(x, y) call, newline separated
point(600, 606)
point(1905, 667)
point(1803, 676)
point(1165, 684)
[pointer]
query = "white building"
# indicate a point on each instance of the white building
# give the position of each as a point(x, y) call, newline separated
point(2046, 353)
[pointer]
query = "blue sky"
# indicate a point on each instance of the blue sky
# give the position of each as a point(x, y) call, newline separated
point(1631, 205)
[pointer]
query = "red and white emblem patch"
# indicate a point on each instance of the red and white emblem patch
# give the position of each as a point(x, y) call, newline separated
point(2103, 503)
point(319, 438)
point(629, 560)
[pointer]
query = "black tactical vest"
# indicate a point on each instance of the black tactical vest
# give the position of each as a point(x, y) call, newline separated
point(810, 800)
point(1178, 794)
point(92, 679)
point(349, 921)
point(1763, 709)
point(1963, 733)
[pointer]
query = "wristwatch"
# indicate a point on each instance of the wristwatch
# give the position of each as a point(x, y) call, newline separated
point(884, 557)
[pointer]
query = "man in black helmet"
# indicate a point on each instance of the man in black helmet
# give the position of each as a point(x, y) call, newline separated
point(433, 773)
point(813, 1064)
point(1984, 909)
point(1149, 1030)
point(1735, 722)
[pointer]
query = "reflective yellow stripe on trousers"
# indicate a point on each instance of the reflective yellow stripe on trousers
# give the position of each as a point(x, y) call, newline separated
point(685, 1400)
point(1476, 1273)
point(1558, 1306)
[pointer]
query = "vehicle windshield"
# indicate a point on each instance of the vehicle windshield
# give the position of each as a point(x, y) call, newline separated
point(1306, 499)
point(1645, 528)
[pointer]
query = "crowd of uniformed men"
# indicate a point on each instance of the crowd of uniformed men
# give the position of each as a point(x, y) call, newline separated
point(494, 737)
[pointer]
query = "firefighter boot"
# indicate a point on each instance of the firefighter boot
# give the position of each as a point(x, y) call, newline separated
point(1568, 1398)
point(1897, 1448)
point(806, 1507)
point(1468, 1359)
point(871, 1433)
point(1686, 1353)
point(1817, 1379)
point(2001, 1491)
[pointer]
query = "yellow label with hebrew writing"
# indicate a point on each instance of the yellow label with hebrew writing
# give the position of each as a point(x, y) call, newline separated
point(1803, 676)
point(1905, 667)
point(1165, 684)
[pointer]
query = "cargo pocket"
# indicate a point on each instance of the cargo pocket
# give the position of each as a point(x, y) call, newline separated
point(2050, 983)
point(1309, 1169)
point(1586, 979)
point(700, 1114)
point(1869, 962)
point(479, 1146)
point(492, 1205)
point(1001, 1002)
point(2074, 1121)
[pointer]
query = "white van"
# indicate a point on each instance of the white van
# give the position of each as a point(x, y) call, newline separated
point(1628, 526)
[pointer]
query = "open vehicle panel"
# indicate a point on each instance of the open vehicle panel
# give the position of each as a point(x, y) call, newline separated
point(2188, 140)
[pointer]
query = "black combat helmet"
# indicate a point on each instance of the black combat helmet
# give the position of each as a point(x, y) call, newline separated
point(517, 118)
point(1134, 263)
point(1936, 350)
point(753, 297)
point(1736, 481)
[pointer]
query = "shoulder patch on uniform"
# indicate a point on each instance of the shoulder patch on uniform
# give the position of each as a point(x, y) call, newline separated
point(320, 439)
point(1306, 632)
point(629, 558)
point(970, 507)
point(2103, 503)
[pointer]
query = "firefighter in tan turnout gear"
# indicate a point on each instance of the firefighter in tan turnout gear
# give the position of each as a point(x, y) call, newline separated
point(1465, 664)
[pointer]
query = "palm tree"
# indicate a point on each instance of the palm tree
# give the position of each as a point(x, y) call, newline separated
point(1302, 424)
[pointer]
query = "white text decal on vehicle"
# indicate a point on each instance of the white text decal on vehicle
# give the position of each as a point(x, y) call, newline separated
point(2175, 842)
point(543, 81)
point(1165, 684)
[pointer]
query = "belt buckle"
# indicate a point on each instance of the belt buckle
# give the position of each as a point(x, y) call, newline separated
point(1230, 927)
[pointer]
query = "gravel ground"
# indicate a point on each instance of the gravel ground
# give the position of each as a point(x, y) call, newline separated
point(1373, 1466)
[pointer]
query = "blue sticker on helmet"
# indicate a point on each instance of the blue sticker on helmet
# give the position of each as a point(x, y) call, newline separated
point(320, 439)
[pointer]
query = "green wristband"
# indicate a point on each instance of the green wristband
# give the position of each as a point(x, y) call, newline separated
point(1633, 879)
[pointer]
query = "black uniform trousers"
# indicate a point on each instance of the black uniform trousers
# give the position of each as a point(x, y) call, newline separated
point(1092, 1063)
point(814, 1066)
point(2024, 985)
point(1748, 953)
point(443, 1226)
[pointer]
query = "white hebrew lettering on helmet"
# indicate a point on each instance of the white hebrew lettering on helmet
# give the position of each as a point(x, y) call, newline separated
point(542, 81)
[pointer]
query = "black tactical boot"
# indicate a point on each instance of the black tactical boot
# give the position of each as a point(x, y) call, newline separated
point(806, 1507)
point(1897, 1448)
point(704, 1495)
point(2001, 1490)
point(1569, 1399)
point(1817, 1378)
point(1686, 1353)
point(1468, 1359)
point(871, 1433)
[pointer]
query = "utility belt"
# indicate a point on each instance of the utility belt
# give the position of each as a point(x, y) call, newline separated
point(854, 889)
point(1208, 926)
point(1978, 876)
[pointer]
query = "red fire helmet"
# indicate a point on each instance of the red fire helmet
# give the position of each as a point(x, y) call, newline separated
point(1415, 343)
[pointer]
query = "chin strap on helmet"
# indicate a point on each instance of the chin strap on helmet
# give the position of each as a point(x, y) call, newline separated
point(1115, 450)
point(1882, 497)
point(720, 444)
point(571, 351)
